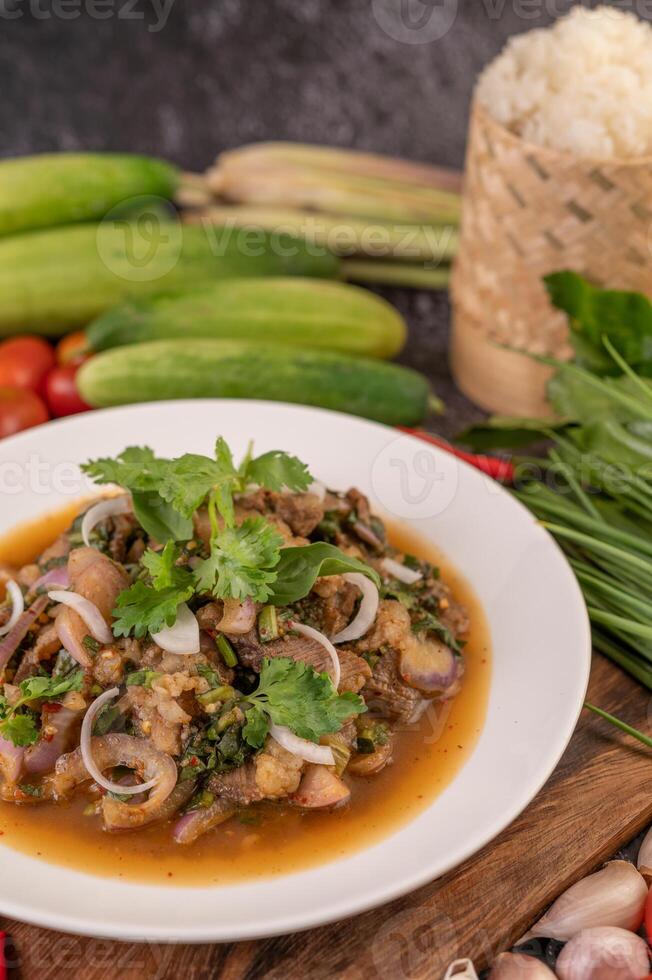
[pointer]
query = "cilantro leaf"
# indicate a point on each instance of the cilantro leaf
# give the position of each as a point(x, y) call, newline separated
point(137, 468)
point(142, 609)
point(190, 479)
point(277, 471)
point(256, 727)
point(162, 566)
point(49, 688)
point(291, 693)
point(241, 562)
point(299, 568)
point(21, 728)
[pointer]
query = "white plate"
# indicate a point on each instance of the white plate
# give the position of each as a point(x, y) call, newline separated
point(541, 647)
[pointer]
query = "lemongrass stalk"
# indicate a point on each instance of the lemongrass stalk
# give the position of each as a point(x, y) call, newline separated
point(340, 233)
point(395, 274)
point(342, 161)
point(622, 725)
point(353, 195)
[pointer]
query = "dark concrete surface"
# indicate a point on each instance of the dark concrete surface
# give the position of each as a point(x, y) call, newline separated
point(187, 78)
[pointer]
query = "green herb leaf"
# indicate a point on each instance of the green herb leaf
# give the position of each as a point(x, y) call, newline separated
point(20, 729)
point(208, 672)
point(241, 562)
point(142, 678)
point(299, 568)
point(624, 317)
point(190, 479)
point(256, 728)
point(276, 471)
point(163, 568)
point(291, 693)
point(141, 609)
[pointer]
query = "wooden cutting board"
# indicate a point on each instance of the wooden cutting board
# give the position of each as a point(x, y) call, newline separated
point(596, 801)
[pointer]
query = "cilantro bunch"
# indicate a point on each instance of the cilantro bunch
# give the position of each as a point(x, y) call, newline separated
point(245, 560)
point(166, 493)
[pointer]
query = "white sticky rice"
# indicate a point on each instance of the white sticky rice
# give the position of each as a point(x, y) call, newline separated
point(583, 85)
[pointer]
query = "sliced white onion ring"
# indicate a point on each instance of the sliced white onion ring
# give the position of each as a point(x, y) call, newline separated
point(401, 572)
point(321, 755)
point(85, 745)
point(87, 610)
point(319, 489)
point(106, 508)
point(183, 637)
point(367, 611)
point(17, 605)
point(314, 634)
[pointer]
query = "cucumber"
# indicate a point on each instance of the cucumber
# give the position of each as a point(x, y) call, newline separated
point(54, 281)
point(164, 369)
point(306, 312)
point(62, 188)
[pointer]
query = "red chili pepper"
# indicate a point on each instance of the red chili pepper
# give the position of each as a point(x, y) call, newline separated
point(498, 469)
point(3, 961)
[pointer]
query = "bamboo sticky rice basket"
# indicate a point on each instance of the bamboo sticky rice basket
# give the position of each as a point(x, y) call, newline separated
point(529, 211)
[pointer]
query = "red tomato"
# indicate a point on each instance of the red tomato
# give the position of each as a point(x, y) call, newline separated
point(73, 349)
point(24, 362)
point(20, 409)
point(61, 391)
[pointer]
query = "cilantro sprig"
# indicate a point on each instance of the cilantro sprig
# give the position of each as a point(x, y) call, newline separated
point(291, 693)
point(19, 727)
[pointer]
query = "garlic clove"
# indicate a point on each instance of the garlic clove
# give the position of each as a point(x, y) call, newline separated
point(604, 953)
point(644, 860)
point(518, 966)
point(614, 896)
point(461, 970)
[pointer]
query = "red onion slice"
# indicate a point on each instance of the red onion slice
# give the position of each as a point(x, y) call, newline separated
point(17, 606)
point(325, 642)
point(367, 611)
point(321, 755)
point(401, 572)
point(15, 637)
point(183, 637)
point(56, 576)
point(106, 508)
point(87, 611)
point(85, 744)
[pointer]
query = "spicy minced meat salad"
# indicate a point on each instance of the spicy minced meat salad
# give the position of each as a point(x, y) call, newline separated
point(213, 637)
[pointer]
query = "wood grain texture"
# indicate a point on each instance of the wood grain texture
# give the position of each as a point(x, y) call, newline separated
point(595, 802)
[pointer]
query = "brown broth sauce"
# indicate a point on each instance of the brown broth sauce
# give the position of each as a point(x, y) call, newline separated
point(277, 839)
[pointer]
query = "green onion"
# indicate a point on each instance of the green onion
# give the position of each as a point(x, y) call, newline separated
point(229, 655)
point(223, 693)
point(268, 624)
